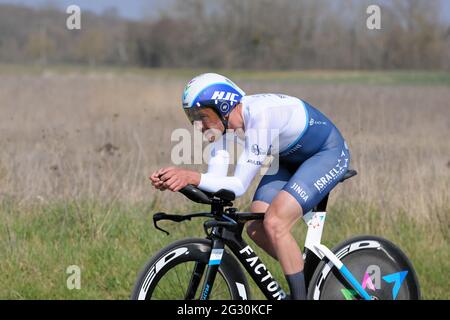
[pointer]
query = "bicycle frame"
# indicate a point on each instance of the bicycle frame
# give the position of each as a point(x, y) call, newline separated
point(222, 237)
point(227, 228)
point(314, 252)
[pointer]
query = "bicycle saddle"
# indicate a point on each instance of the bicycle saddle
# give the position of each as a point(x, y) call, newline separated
point(349, 174)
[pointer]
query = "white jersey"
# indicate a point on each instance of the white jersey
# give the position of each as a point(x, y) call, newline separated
point(272, 124)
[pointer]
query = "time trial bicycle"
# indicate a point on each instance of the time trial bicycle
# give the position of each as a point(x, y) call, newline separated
point(361, 268)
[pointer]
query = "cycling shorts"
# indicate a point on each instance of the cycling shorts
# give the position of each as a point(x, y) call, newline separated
point(305, 171)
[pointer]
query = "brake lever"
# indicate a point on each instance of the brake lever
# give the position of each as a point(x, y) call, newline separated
point(156, 217)
point(164, 216)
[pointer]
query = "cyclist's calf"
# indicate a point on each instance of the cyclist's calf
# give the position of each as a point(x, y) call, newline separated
point(278, 222)
point(256, 231)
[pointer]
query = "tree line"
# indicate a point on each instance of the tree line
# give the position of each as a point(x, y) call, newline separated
point(250, 34)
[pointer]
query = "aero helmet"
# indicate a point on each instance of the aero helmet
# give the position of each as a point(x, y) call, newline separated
point(211, 90)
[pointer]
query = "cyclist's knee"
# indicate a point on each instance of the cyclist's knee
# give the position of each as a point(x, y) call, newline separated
point(275, 227)
point(281, 216)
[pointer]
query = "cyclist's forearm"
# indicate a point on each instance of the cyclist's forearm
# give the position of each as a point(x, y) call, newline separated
point(218, 164)
point(213, 183)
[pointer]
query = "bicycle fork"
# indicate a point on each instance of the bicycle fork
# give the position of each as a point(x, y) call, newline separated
point(213, 266)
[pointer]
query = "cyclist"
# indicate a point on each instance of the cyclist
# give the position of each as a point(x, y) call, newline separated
point(312, 158)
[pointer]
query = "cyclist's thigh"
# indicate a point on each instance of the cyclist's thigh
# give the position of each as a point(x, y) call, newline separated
point(270, 185)
point(318, 175)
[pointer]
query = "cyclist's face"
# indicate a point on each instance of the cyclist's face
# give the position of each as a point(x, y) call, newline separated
point(208, 120)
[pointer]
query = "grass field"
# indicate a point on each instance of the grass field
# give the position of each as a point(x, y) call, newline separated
point(78, 145)
point(111, 243)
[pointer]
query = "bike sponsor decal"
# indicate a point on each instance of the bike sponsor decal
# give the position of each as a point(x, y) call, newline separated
point(265, 277)
point(317, 220)
point(241, 290)
point(397, 279)
point(357, 246)
point(341, 254)
point(205, 292)
point(367, 282)
point(349, 294)
point(215, 257)
point(157, 267)
point(299, 190)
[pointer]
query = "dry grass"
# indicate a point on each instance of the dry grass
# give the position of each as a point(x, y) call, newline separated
point(99, 135)
point(96, 136)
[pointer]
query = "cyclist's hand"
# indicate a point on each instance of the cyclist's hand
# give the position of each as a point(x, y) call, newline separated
point(156, 181)
point(176, 178)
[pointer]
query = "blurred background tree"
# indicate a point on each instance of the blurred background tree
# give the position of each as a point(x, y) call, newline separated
point(251, 34)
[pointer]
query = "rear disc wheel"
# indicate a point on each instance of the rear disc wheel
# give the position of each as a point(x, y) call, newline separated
point(379, 266)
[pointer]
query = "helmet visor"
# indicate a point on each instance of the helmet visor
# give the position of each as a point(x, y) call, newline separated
point(194, 114)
